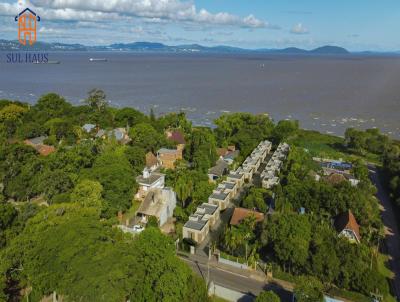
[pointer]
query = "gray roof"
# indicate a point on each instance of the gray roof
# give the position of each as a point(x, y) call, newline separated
point(236, 176)
point(118, 134)
point(195, 225)
point(150, 180)
point(153, 204)
point(165, 150)
point(229, 185)
point(219, 169)
point(38, 140)
point(210, 209)
point(219, 196)
point(232, 155)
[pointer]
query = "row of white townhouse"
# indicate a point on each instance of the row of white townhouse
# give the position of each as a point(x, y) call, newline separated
point(199, 224)
point(270, 174)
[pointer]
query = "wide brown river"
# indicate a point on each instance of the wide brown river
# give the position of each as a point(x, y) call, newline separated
point(328, 94)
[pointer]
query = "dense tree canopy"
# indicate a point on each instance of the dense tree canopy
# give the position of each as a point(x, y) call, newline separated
point(243, 130)
point(114, 172)
point(92, 262)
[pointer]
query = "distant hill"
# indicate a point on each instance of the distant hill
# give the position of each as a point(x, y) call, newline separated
point(153, 47)
point(330, 50)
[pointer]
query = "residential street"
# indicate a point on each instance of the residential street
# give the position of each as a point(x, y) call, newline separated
point(235, 281)
point(391, 226)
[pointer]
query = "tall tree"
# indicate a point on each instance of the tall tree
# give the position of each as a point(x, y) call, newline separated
point(97, 99)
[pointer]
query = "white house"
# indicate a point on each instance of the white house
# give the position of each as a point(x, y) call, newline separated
point(159, 203)
point(148, 181)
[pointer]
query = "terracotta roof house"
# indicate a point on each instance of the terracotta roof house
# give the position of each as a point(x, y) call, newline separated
point(38, 144)
point(239, 214)
point(348, 227)
point(151, 161)
point(176, 136)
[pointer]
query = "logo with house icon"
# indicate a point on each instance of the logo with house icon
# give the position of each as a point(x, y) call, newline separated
point(27, 26)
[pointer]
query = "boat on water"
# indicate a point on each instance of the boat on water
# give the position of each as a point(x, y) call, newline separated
point(48, 62)
point(98, 60)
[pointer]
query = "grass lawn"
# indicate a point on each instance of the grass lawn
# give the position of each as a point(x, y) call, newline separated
point(327, 146)
point(318, 144)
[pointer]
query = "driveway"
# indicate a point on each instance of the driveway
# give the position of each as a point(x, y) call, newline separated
point(391, 228)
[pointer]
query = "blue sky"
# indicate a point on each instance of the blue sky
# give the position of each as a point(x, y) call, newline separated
point(354, 24)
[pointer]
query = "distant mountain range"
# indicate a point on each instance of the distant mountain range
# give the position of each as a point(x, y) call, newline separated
point(6, 45)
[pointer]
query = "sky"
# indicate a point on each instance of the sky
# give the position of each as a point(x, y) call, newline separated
point(354, 24)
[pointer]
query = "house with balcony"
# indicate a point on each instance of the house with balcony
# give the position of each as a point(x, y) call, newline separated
point(148, 181)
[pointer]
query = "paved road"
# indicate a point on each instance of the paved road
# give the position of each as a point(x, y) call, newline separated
point(392, 230)
point(235, 281)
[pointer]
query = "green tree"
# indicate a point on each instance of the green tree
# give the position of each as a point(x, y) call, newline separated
point(256, 199)
point(97, 99)
point(136, 156)
point(290, 236)
point(267, 296)
point(284, 129)
point(145, 136)
point(12, 112)
point(114, 172)
point(129, 117)
point(183, 189)
point(243, 130)
point(88, 193)
point(308, 289)
point(202, 149)
point(7, 216)
point(48, 106)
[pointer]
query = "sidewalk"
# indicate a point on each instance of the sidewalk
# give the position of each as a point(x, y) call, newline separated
point(252, 274)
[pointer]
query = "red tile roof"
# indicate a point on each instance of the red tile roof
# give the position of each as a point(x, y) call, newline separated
point(239, 214)
point(347, 220)
point(176, 136)
point(45, 150)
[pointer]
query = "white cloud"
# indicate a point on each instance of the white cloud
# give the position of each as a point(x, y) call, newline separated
point(66, 14)
point(171, 10)
point(299, 29)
